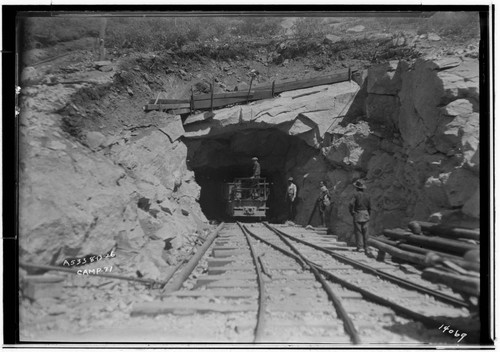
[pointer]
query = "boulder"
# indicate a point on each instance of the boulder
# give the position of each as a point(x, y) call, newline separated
point(331, 39)
point(356, 29)
point(172, 127)
point(242, 87)
point(471, 206)
point(30, 75)
point(385, 78)
point(433, 37)
point(99, 64)
point(383, 109)
point(352, 146)
point(460, 186)
point(95, 139)
point(332, 101)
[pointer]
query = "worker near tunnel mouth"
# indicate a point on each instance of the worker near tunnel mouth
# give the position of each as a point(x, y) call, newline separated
point(360, 209)
point(256, 167)
point(291, 195)
point(325, 201)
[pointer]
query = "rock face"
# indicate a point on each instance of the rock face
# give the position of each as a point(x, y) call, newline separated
point(411, 131)
point(305, 113)
point(131, 191)
point(426, 161)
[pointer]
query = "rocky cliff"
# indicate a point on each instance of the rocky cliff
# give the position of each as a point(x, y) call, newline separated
point(411, 130)
point(131, 191)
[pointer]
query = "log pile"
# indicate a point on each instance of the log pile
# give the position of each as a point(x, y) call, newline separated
point(447, 255)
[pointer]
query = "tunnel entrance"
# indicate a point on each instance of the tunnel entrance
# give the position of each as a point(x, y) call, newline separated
point(219, 160)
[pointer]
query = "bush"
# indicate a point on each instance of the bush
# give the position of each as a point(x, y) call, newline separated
point(307, 27)
point(256, 26)
point(46, 31)
point(464, 25)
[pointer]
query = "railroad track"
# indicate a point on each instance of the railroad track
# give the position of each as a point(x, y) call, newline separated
point(260, 283)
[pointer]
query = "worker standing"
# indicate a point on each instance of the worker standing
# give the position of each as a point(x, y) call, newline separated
point(324, 200)
point(360, 209)
point(256, 168)
point(291, 195)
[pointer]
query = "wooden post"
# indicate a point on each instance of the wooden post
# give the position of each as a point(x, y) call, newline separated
point(191, 102)
point(102, 34)
point(272, 90)
point(349, 73)
point(212, 96)
point(157, 97)
point(312, 213)
point(250, 88)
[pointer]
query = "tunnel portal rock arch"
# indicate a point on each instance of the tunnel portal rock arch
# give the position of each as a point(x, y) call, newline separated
point(219, 160)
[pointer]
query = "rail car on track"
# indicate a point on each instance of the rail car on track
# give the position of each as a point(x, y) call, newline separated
point(246, 197)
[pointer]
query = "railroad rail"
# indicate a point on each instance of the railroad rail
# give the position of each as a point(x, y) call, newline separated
point(266, 284)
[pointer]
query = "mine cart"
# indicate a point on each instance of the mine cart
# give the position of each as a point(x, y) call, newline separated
point(247, 197)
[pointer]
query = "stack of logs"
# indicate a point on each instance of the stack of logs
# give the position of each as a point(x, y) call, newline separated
point(448, 255)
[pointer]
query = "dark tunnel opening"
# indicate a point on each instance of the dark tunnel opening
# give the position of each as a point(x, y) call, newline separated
point(219, 160)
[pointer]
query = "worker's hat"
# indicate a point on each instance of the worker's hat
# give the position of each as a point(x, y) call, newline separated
point(255, 158)
point(290, 179)
point(359, 184)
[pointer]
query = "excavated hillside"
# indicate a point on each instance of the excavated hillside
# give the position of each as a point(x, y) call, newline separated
point(97, 172)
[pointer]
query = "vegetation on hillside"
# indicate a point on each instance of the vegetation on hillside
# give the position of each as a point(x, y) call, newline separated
point(161, 33)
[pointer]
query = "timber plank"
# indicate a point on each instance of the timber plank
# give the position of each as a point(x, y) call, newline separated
point(224, 269)
point(157, 308)
point(307, 83)
point(232, 284)
point(215, 293)
point(217, 262)
point(204, 101)
point(228, 253)
point(204, 279)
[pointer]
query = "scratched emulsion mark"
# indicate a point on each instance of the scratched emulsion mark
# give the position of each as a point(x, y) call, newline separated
point(452, 332)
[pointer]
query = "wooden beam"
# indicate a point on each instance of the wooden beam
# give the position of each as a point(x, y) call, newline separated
point(210, 101)
point(419, 250)
point(410, 257)
point(442, 244)
point(307, 83)
point(461, 283)
point(449, 231)
point(206, 104)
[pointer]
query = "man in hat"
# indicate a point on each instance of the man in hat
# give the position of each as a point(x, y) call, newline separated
point(291, 195)
point(324, 201)
point(256, 168)
point(360, 209)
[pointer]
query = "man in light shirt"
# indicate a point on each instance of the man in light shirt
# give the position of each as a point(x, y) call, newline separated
point(291, 195)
